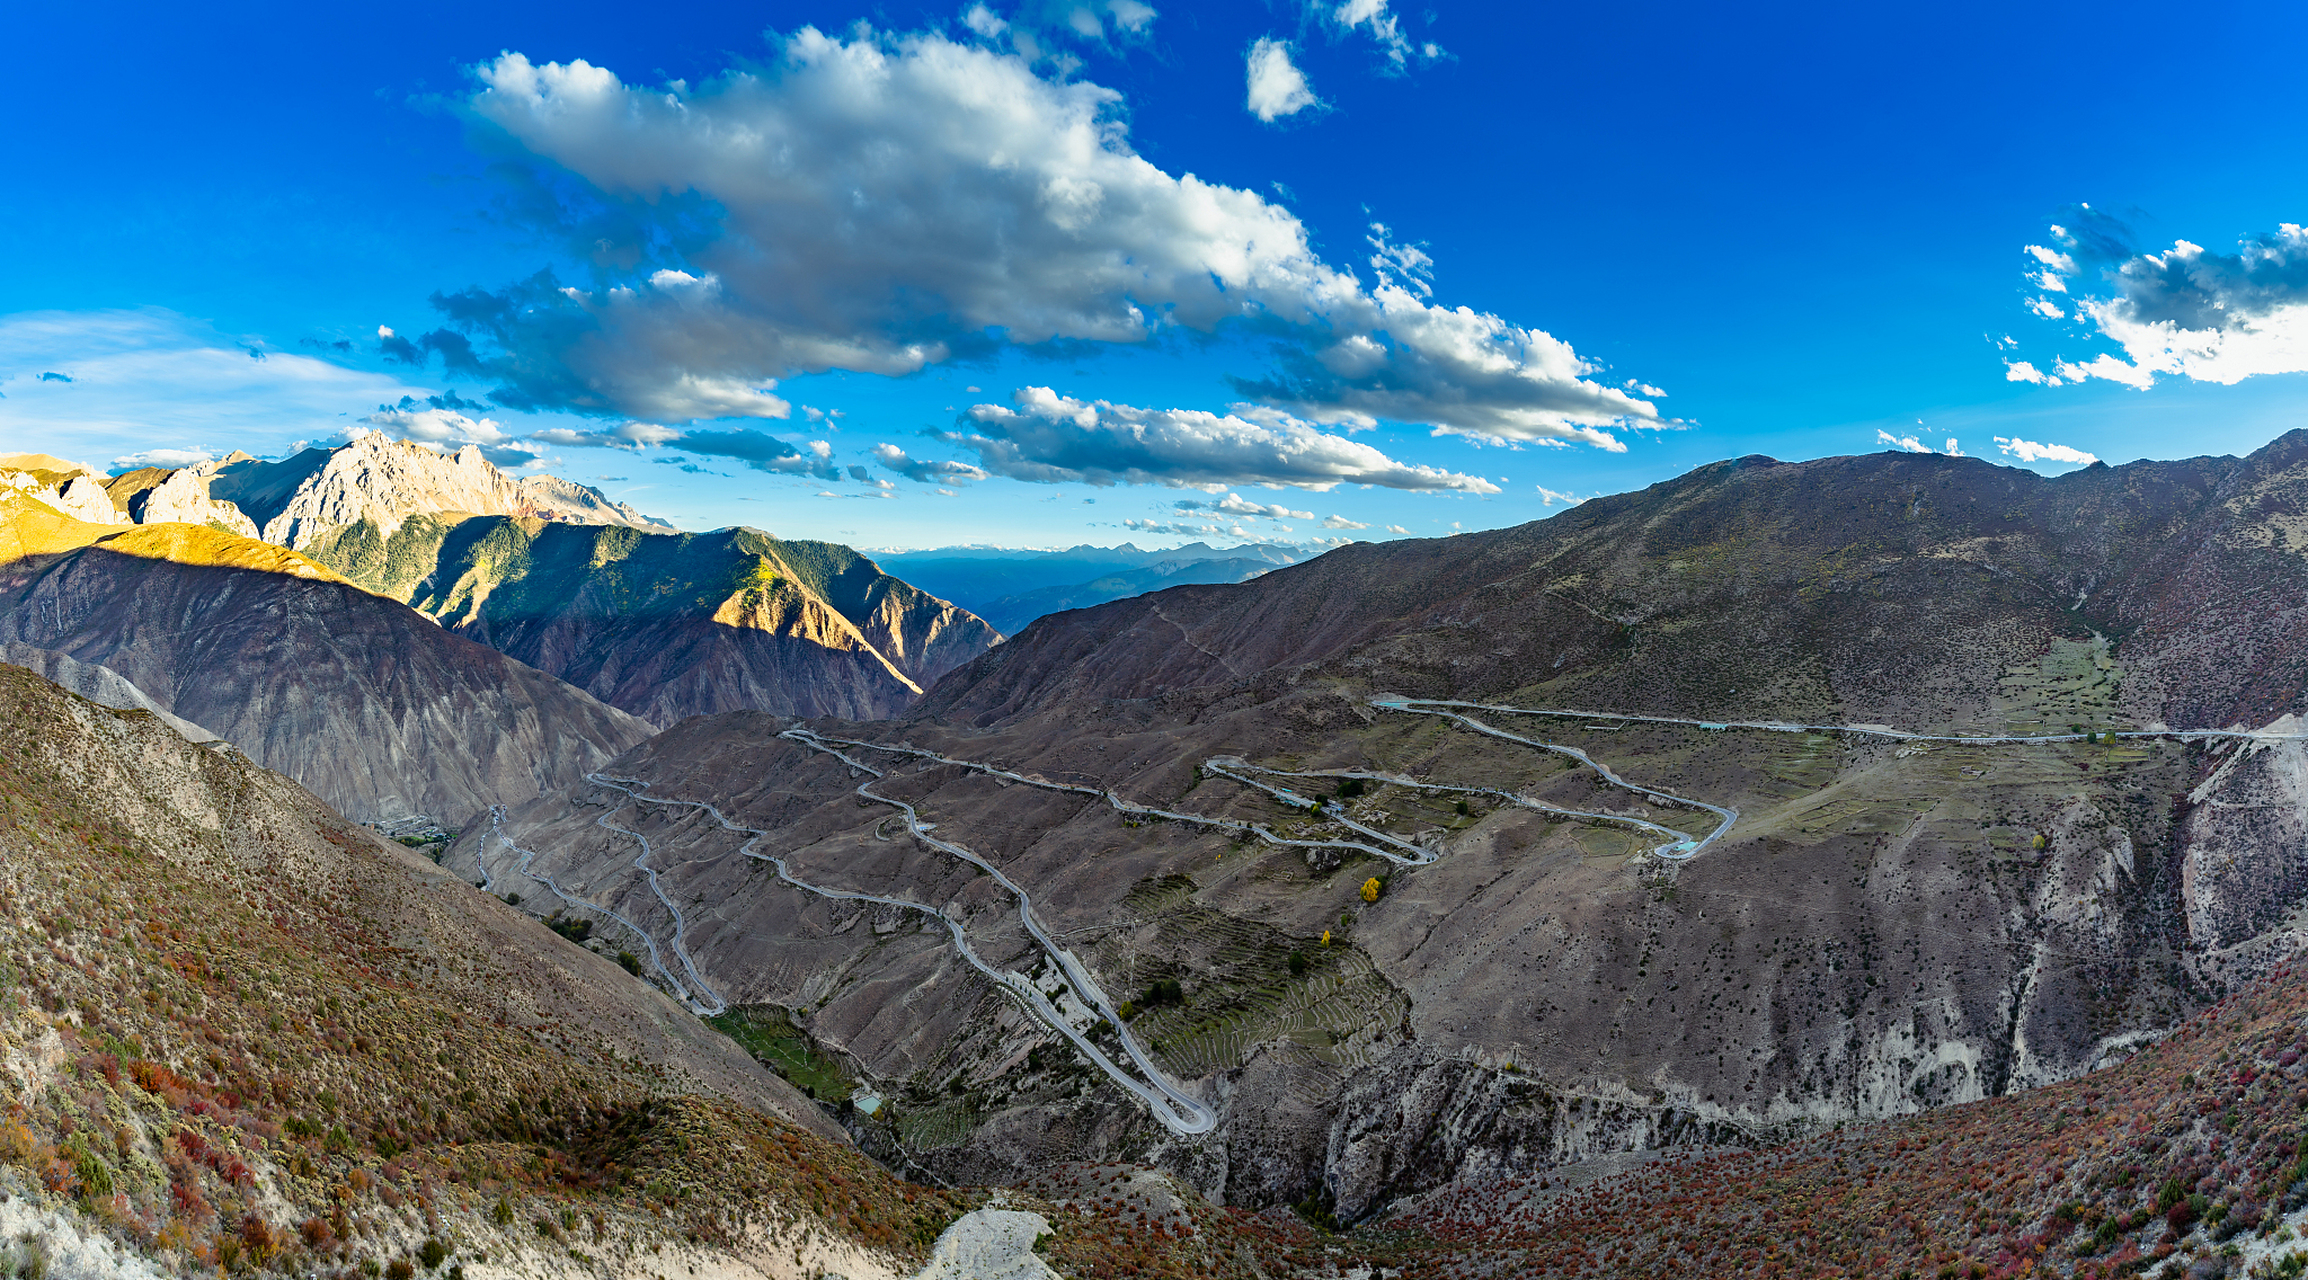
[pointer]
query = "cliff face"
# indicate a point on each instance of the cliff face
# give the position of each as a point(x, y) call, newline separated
point(672, 625)
point(156, 495)
point(361, 699)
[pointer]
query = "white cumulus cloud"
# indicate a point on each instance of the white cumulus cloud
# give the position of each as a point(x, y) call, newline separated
point(883, 202)
point(1054, 439)
point(1341, 522)
point(1908, 443)
point(1277, 88)
point(2029, 451)
point(2187, 311)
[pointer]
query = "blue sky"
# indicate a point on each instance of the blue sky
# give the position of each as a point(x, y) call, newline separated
point(1084, 270)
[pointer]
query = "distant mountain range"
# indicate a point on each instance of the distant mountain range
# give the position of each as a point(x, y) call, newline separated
point(1011, 588)
point(582, 590)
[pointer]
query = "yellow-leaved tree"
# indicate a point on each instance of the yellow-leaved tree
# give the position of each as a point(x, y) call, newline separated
point(1370, 889)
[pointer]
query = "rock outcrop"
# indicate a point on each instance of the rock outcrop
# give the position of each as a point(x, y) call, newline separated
point(566, 501)
point(182, 498)
point(84, 498)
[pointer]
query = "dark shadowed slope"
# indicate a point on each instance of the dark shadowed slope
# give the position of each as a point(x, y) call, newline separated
point(363, 700)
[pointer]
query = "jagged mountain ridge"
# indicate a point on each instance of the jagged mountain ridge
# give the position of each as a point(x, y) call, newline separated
point(360, 698)
point(374, 478)
point(671, 625)
point(736, 619)
point(1904, 928)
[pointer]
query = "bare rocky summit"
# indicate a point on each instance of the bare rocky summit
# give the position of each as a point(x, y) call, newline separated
point(382, 481)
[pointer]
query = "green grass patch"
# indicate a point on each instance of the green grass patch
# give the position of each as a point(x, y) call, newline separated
point(767, 1032)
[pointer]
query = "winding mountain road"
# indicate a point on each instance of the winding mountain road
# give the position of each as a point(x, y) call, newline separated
point(1178, 1111)
point(1175, 1109)
point(522, 868)
point(1679, 849)
point(1396, 702)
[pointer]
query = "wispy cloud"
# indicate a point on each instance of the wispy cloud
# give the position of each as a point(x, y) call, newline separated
point(1051, 439)
point(762, 452)
point(1234, 504)
point(1375, 19)
point(169, 458)
point(1913, 444)
point(631, 435)
point(1186, 529)
point(152, 379)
